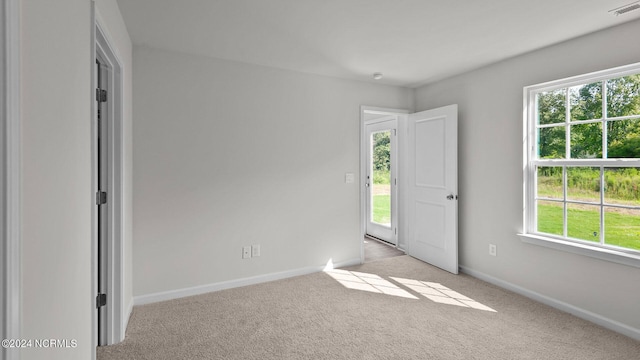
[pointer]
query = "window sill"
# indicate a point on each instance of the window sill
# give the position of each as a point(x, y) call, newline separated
point(610, 255)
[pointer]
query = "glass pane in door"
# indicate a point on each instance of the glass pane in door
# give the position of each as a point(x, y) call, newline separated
point(381, 184)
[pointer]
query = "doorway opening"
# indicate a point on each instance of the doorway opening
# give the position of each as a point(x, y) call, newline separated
point(110, 315)
point(379, 158)
point(102, 176)
point(409, 189)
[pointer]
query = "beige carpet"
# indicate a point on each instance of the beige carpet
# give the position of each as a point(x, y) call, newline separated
point(317, 317)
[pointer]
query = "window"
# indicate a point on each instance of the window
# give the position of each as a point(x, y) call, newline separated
point(582, 161)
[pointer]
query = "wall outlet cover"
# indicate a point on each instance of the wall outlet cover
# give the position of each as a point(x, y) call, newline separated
point(246, 252)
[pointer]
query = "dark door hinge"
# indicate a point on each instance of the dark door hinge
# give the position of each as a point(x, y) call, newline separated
point(101, 197)
point(101, 95)
point(101, 300)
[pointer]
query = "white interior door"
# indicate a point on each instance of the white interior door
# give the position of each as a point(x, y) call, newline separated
point(381, 179)
point(432, 187)
point(102, 201)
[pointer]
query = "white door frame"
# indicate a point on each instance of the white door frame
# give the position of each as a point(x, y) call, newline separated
point(371, 110)
point(117, 315)
point(10, 176)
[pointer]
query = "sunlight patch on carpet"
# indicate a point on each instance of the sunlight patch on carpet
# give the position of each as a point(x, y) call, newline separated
point(441, 294)
point(368, 282)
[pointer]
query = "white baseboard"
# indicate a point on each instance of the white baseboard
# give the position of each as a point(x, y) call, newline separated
point(127, 316)
point(560, 305)
point(202, 289)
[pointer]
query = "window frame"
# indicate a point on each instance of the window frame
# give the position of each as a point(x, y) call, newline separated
point(529, 233)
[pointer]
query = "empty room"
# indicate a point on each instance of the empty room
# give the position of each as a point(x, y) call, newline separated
point(313, 179)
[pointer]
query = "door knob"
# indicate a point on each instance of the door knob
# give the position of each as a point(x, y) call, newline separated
point(450, 197)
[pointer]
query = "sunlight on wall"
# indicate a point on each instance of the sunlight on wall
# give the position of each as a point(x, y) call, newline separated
point(329, 265)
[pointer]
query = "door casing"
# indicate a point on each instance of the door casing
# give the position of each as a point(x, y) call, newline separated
point(117, 313)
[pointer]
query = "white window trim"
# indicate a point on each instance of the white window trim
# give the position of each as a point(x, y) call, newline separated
point(631, 258)
point(579, 248)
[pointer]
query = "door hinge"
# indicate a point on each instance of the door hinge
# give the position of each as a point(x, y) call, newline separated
point(101, 300)
point(101, 197)
point(101, 95)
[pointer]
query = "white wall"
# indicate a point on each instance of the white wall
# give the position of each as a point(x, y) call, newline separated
point(56, 176)
point(10, 172)
point(116, 31)
point(229, 154)
point(490, 175)
point(57, 195)
point(4, 237)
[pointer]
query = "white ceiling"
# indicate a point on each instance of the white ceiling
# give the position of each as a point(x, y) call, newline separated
point(412, 42)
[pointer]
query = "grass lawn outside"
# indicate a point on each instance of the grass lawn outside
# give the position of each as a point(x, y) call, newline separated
point(382, 209)
point(620, 229)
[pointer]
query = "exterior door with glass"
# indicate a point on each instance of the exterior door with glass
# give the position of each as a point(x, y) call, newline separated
point(381, 179)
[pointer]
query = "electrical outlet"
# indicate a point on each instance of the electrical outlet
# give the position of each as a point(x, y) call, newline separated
point(246, 252)
point(493, 250)
point(255, 250)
